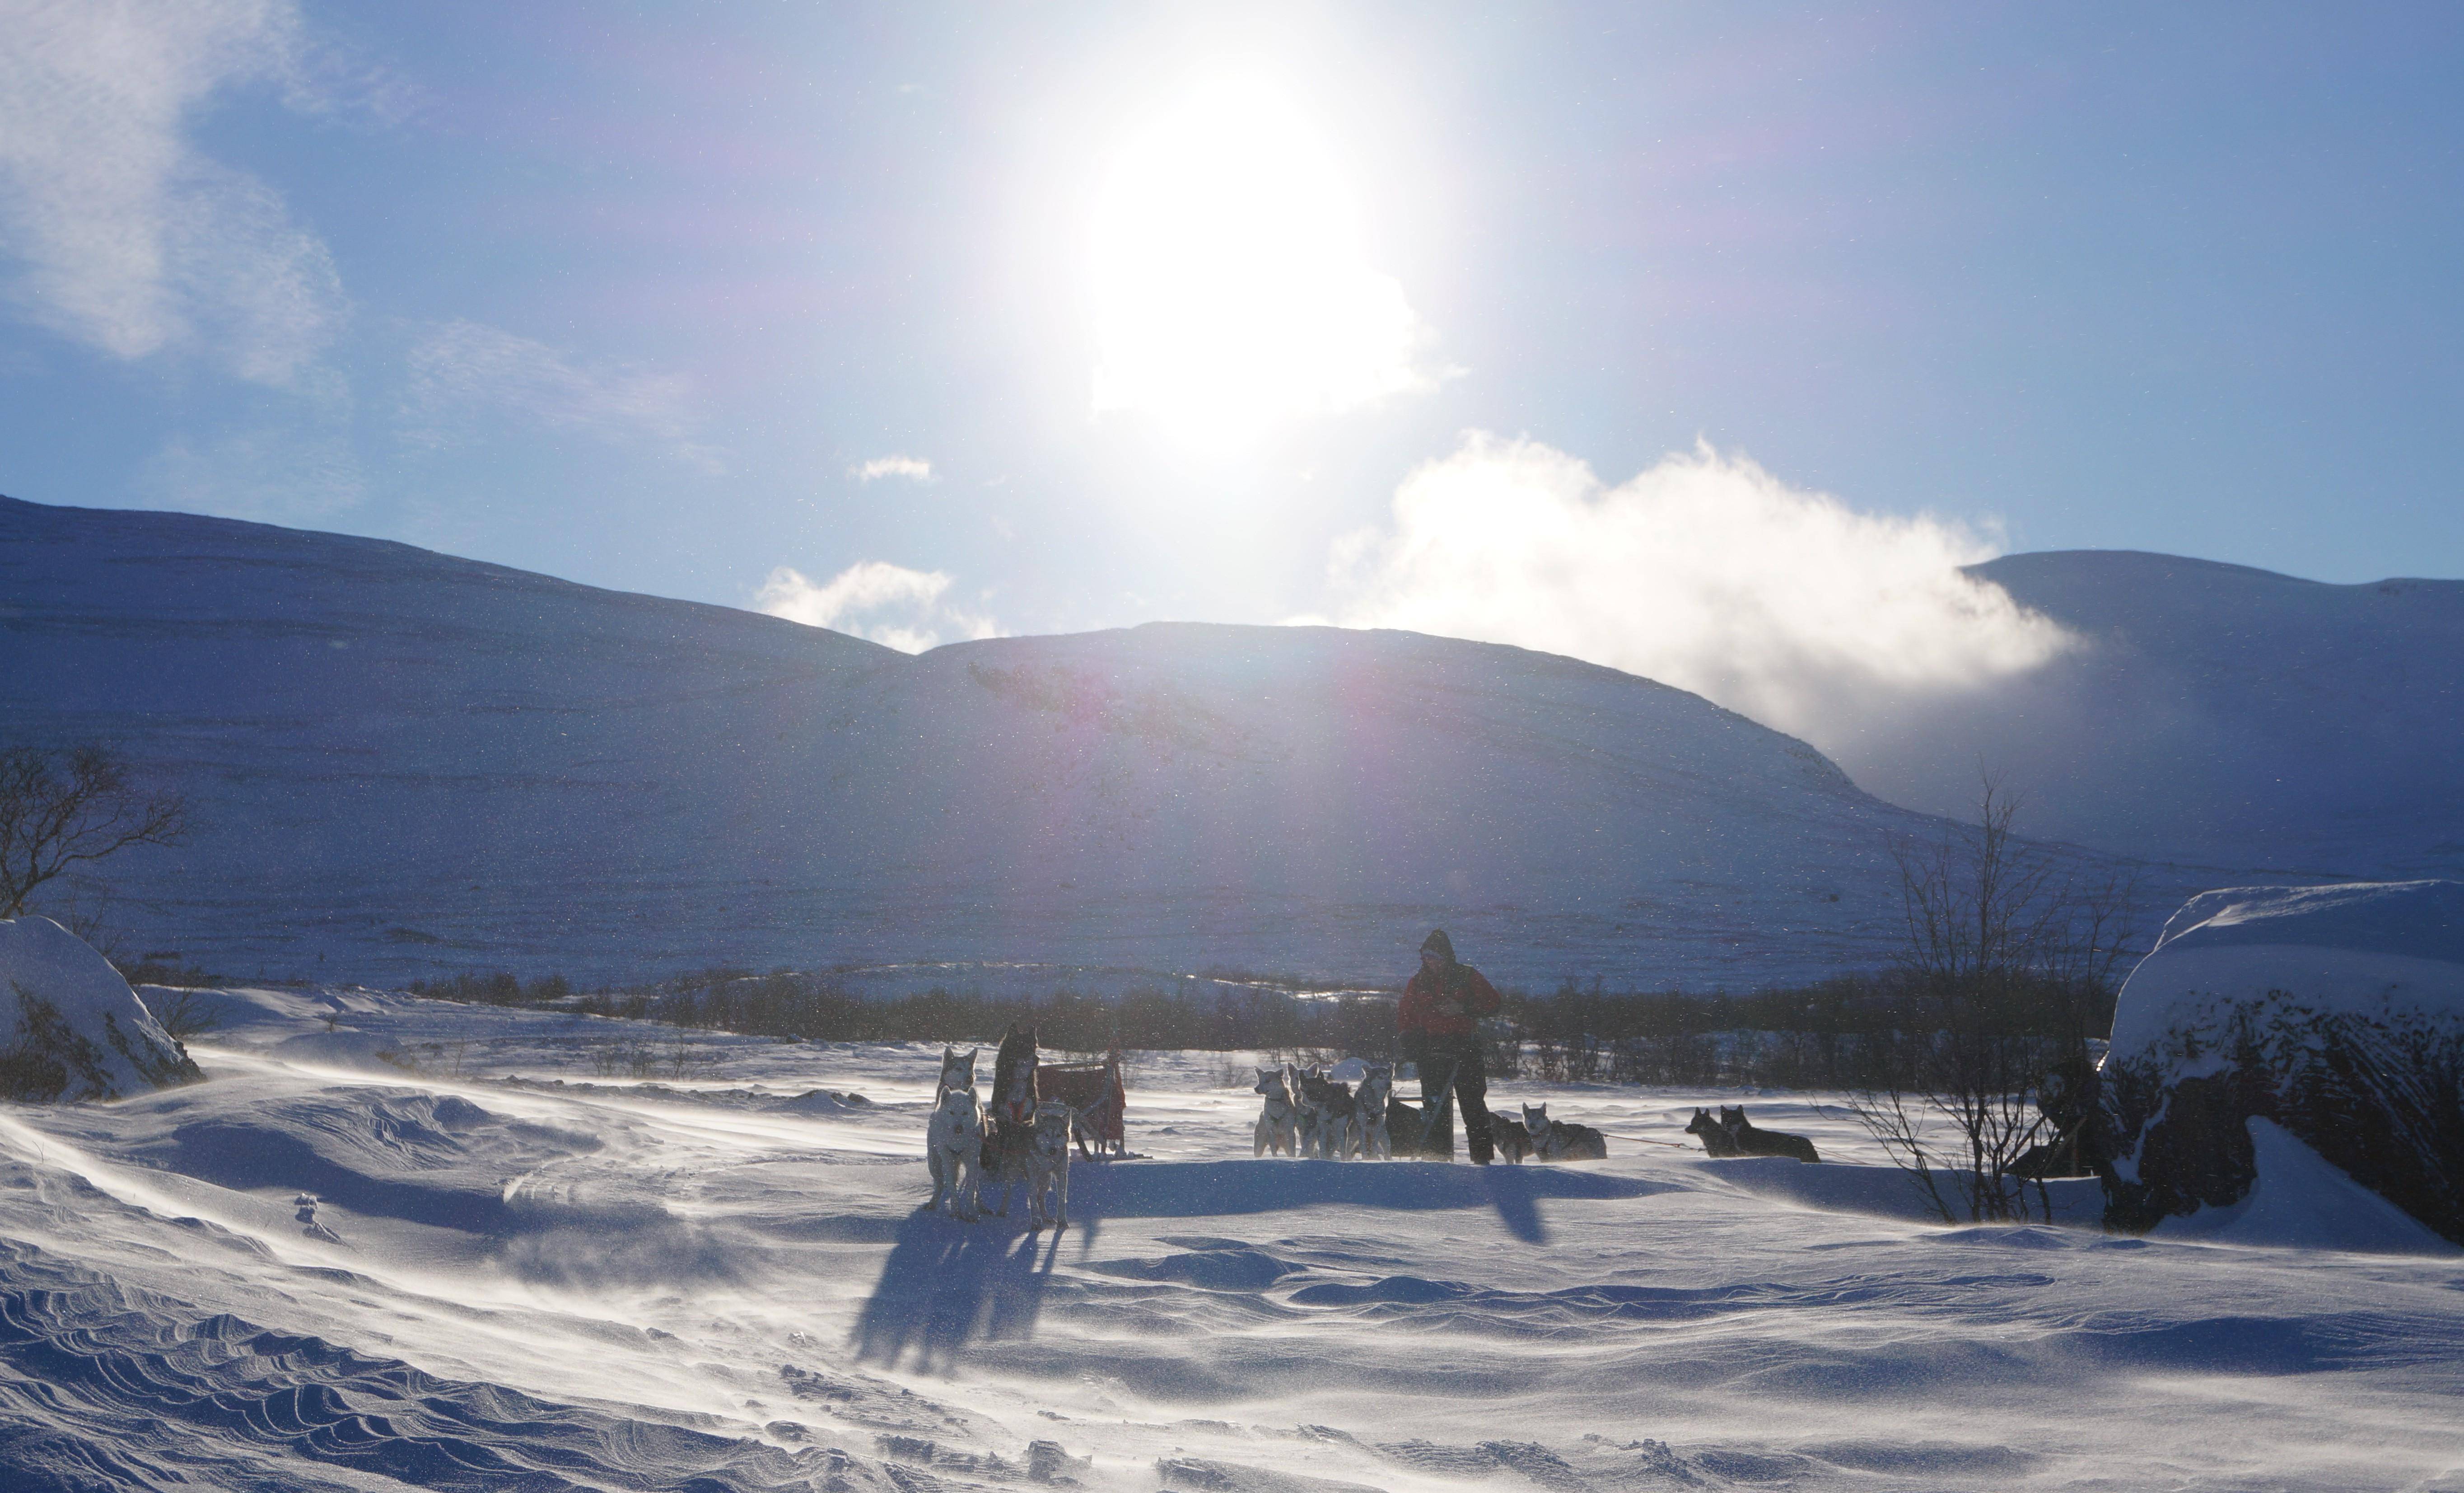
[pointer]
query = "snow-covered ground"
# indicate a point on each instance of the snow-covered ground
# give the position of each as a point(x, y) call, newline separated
point(393, 1241)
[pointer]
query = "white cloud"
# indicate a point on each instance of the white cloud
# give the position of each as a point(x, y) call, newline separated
point(462, 373)
point(915, 469)
point(269, 476)
point(1705, 571)
point(889, 604)
point(127, 237)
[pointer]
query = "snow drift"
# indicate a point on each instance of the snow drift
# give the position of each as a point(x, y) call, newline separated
point(2336, 1012)
point(70, 1027)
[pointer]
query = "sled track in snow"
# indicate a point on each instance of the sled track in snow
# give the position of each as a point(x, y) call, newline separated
point(106, 1387)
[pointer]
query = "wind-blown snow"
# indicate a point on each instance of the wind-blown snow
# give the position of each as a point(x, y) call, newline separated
point(488, 1260)
point(2369, 949)
point(2300, 1200)
point(70, 1027)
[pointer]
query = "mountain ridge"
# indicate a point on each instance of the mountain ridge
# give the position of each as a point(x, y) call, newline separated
point(401, 776)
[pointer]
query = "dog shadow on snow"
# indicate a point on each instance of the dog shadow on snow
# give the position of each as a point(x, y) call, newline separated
point(947, 1284)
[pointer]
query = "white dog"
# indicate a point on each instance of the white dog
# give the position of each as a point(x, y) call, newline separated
point(1279, 1118)
point(1048, 1166)
point(954, 1147)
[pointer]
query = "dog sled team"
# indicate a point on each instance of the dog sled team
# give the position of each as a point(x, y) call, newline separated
point(1022, 1138)
point(1020, 1141)
point(1309, 1113)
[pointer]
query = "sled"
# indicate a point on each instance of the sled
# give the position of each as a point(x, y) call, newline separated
point(1095, 1095)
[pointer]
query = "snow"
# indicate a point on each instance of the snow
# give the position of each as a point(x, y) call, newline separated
point(2301, 1201)
point(2368, 948)
point(490, 1262)
point(71, 1021)
point(406, 765)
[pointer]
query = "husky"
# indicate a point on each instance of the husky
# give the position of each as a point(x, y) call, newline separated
point(1754, 1141)
point(1716, 1141)
point(954, 1147)
point(957, 1072)
point(1512, 1139)
point(1556, 1140)
point(1332, 1109)
point(1048, 1166)
point(1376, 1090)
point(1014, 1088)
point(1279, 1117)
point(1009, 1130)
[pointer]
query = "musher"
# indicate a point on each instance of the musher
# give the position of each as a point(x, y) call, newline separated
point(1439, 1020)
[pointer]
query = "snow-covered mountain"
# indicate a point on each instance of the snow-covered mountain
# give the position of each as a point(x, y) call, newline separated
point(403, 761)
point(2213, 712)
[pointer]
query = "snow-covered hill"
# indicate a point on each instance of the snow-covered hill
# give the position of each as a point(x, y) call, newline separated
point(403, 761)
point(2213, 712)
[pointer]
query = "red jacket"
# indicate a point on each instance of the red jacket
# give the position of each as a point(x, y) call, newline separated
point(1418, 1013)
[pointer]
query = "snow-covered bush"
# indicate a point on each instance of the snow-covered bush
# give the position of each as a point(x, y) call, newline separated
point(2335, 1012)
point(70, 1027)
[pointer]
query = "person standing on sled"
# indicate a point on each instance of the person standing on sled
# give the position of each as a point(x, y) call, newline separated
point(1439, 1020)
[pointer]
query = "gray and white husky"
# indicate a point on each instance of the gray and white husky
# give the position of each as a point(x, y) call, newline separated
point(954, 1148)
point(1279, 1118)
point(1512, 1137)
point(957, 1072)
point(1048, 1166)
point(1328, 1111)
point(1377, 1091)
point(1556, 1140)
point(1753, 1140)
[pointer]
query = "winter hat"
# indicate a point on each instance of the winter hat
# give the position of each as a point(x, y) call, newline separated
point(1437, 944)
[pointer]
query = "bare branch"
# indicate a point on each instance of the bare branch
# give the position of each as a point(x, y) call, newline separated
point(60, 810)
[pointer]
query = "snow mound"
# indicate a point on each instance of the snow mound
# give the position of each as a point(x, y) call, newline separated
point(70, 1027)
point(2374, 949)
point(2335, 1014)
point(2300, 1200)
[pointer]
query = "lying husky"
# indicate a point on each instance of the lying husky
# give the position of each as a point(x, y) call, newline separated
point(1715, 1135)
point(1048, 1165)
point(1377, 1091)
point(1329, 1110)
point(1753, 1141)
point(1556, 1140)
point(1279, 1118)
point(954, 1148)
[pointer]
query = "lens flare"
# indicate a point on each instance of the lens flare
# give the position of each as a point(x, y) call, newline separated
point(1230, 282)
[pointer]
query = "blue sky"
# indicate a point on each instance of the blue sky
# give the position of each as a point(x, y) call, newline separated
point(640, 295)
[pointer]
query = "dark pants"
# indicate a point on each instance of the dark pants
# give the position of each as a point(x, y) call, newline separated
point(1471, 1093)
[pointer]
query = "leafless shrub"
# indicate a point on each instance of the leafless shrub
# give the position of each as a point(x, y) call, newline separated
point(60, 810)
point(2009, 949)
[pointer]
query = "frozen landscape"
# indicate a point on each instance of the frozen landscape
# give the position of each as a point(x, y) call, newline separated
point(395, 1243)
point(405, 763)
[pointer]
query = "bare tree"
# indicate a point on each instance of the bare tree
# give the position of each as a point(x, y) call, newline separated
point(65, 809)
point(2010, 949)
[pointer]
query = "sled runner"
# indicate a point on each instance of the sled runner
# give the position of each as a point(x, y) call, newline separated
point(1097, 1100)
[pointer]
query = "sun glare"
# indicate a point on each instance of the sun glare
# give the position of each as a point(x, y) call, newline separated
point(1231, 289)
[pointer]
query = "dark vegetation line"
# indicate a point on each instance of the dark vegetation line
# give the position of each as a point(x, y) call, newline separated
point(1850, 1031)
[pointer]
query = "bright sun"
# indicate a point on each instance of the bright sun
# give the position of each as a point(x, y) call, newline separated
point(1230, 285)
